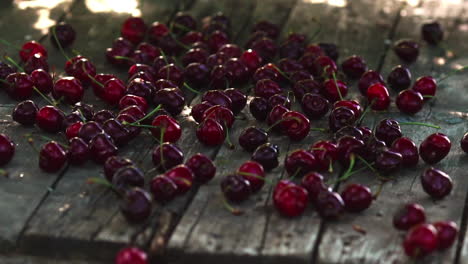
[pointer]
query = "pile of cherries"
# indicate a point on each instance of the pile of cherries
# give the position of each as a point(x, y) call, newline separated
point(166, 64)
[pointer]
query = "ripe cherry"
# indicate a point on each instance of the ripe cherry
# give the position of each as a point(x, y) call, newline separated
point(314, 106)
point(131, 255)
point(42, 80)
point(202, 167)
point(267, 155)
point(295, 125)
point(299, 163)
point(323, 66)
point(399, 78)
point(388, 130)
point(142, 88)
point(196, 74)
point(183, 22)
point(136, 205)
point(266, 88)
point(252, 137)
point(211, 132)
point(166, 127)
point(198, 110)
point(407, 50)
point(163, 188)
point(217, 97)
point(356, 197)
point(330, 49)
point(167, 156)
point(303, 87)
point(52, 157)
point(408, 149)
point(25, 113)
point(221, 114)
point(313, 183)
point(275, 118)
point(251, 59)
point(347, 146)
point(291, 200)
point(272, 30)
point(68, 88)
point(367, 79)
point(409, 101)
point(447, 232)
point(62, 34)
point(238, 99)
point(133, 29)
point(171, 100)
point(30, 48)
point(354, 66)
point(378, 97)
point(408, 216)
point(432, 32)
point(259, 108)
point(78, 151)
point(388, 161)
point(117, 131)
point(89, 130)
point(425, 85)
point(235, 188)
point(436, 183)
point(101, 147)
point(253, 172)
point(7, 149)
point(334, 90)
point(113, 91)
point(20, 86)
point(72, 130)
point(100, 79)
point(50, 119)
point(127, 177)
point(103, 115)
point(325, 152)
point(464, 143)
point(182, 176)
point(341, 117)
point(265, 47)
point(329, 204)
point(434, 148)
point(420, 241)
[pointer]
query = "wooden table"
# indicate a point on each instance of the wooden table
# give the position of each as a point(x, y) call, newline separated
point(58, 218)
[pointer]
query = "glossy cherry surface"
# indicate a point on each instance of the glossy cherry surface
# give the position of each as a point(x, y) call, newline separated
point(434, 148)
point(436, 183)
point(420, 241)
point(408, 216)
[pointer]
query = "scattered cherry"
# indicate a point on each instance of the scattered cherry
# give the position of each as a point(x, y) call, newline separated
point(7, 149)
point(202, 167)
point(399, 78)
point(407, 50)
point(25, 113)
point(434, 148)
point(408, 150)
point(253, 172)
point(436, 183)
point(52, 157)
point(136, 205)
point(131, 255)
point(409, 216)
point(447, 232)
point(267, 155)
point(166, 156)
point(290, 200)
point(420, 241)
point(235, 188)
point(356, 197)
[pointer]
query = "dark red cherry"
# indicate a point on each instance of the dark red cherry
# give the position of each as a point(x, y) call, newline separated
point(42, 80)
point(118, 132)
point(83, 70)
point(464, 143)
point(141, 88)
point(192, 39)
point(272, 30)
point(238, 99)
point(252, 137)
point(314, 49)
point(425, 85)
point(62, 34)
point(434, 148)
point(71, 63)
point(279, 99)
point(163, 189)
point(236, 71)
point(78, 151)
point(52, 157)
point(259, 108)
point(432, 32)
point(72, 118)
point(421, 241)
point(290, 201)
point(408, 216)
point(265, 47)
point(303, 87)
point(334, 90)
point(133, 29)
point(341, 117)
point(217, 97)
point(217, 59)
point(388, 130)
point(323, 66)
point(166, 127)
point(72, 130)
point(127, 118)
point(347, 146)
point(348, 131)
point(202, 167)
point(407, 50)
point(265, 73)
point(160, 62)
point(235, 188)
point(313, 183)
point(127, 177)
point(68, 88)
point(156, 31)
point(325, 152)
point(37, 61)
point(354, 66)
point(129, 100)
point(373, 148)
point(267, 155)
point(196, 74)
point(275, 117)
point(399, 78)
point(100, 79)
point(131, 255)
point(216, 40)
point(218, 78)
point(221, 114)
point(266, 88)
point(103, 115)
point(146, 53)
point(139, 67)
point(330, 49)
point(173, 73)
point(7, 149)
point(367, 79)
point(388, 161)
point(20, 86)
point(136, 205)
point(409, 101)
point(251, 59)
point(356, 197)
point(351, 104)
point(171, 100)
point(329, 205)
point(253, 172)
point(378, 97)
point(436, 183)
point(183, 22)
point(300, 162)
point(182, 177)
point(194, 55)
point(408, 149)
point(5, 70)
point(166, 156)
point(113, 164)
point(30, 48)
point(25, 113)
point(89, 130)
point(289, 66)
point(295, 125)
point(447, 232)
point(113, 91)
point(50, 118)
point(367, 133)
point(101, 147)
point(210, 132)
point(199, 109)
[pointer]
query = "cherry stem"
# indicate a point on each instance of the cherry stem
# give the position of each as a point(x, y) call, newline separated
point(104, 182)
point(231, 209)
point(8, 44)
point(179, 26)
point(12, 61)
point(320, 129)
point(228, 139)
point(336, 85)
point(161, 141)
point(58, 43)
point(452, 73)
point(255, 176)
point(191, 89)
point(368, 108)
point(52, 102)
point(330, 166)
point(76, 52)
point(379, 191)
point(281, 120)
point(123, 58)
point(428, 96)
point(46, 138)
point(368, 164)
point(324, 149)
point(281, 72)
point(318, 30)
point(347, 174)
point(147, 115)
point(91, 77)
point(295, 173)
point(420, 124)
point(164, 56)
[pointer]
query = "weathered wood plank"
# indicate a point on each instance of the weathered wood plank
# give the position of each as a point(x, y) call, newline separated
point(17, 259)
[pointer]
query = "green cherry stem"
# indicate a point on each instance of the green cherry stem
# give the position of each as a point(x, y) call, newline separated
point(191, 89)
point(368, 108)
point(147, 115)
point(54, 34)
point(228, 138)
point(12, 61)
point(347, 174)
point(336, 85)
point(282, 120)
point(123, 58)
point(452, 73)
point(318, 30)
point(420, 124)
point(256, 176)
point(229, 207)
point(52, 102)
point(104, 182)
point(320, 129)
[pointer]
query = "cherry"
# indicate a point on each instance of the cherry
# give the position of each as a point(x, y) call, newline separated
point(388, 130)
point(351, 104)
point(118, 132)
point(217, 59)
point(259, 108)
point(101, 147)
point(349, 131)
point(407, 50)
point(434, 148)
point(235, 188)
point(211, 132)
point(167, 156)
point(163, 188)
point(193, 37)
point(464, 143)
point(314, 49)
point(252, 137)
point(156, 31)
point(160, 62)
point(236, 71)
point(196, 74)
point(420, 241)
point(52, 157)
point(113, 164)
point(173, 73)
point(302, 87)
point(133, 29)
point(329, 204)
point(99, 80)
point(366, 133)
point(447, 232)
point(341, 117)
point(133, 131)
point(7, 149)
point(78, 151)
point(141, 88)
point(378, 97)
point(68, 88)
point(432, 32)
point(113, 91)
point(325, 152)
point(407, 148)
point(182, 177)
point(265, 47)
point(72, 118)
point(171, 100)
point(279, 99)
point(251, 60)
point(334, 90)
point(388, 161)
point(216, 40)
point(289, 66)
point(267, 155)
point(265, 73)
point(202, 167)
point(62, 35)
point(167, 127)
point(313, 183)
point(50, 119)
point(238, 99)
point(409, 101)
point(436, 183)
point(5, 70)
point(425, 85)
point(30, 48)
point(148, 52)
point(290, 201)
point(408, 216)
point(131, 255)
point(347, 146)
point(323, 66)
point(221, 114)
point(399, 78)
point(25, 113)
point(356, 197)
point(72, 130)
point(136, 205)
point(300, 162)
point(129, 100)
point(127, 177)
point(367, 79)
point(198, 110)
point(35, 62)
point(103, 115)
point(373, 148)
point(20, 86)
point(89, 130)
point(253, 172)
point(194, 55)
point(330, 49)
point(83, 70)
point(183, 22)
point(354, 66)
point(295, 125)
point(314, 106)
point(269, 28)
point(139, 67)
point(42, 80)
point(275, 118)
point(266, 88)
